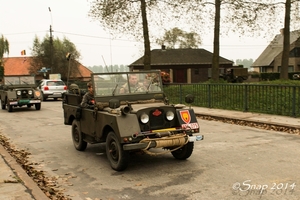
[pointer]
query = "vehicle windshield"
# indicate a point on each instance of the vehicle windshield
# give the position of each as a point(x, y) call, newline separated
point(19, 80)
point(127, 83)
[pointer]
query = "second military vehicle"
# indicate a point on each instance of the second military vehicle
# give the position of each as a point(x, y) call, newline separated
point(18, 91)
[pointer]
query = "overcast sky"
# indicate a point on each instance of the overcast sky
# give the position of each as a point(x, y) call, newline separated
point(21, 20)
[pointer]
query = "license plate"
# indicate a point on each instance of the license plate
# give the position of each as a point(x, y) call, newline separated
point(190, 126)
point(35, 101)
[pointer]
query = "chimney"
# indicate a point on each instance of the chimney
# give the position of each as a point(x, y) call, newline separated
point(163, 47)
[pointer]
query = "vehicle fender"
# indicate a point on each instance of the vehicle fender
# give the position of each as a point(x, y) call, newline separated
point(123, 125)
point(127, 125)
point(11, 94)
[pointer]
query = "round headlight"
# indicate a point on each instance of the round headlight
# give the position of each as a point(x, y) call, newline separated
point(144, 118)
point(19, 92)
point(37, 93)
point(30, 92)
point(170, 115)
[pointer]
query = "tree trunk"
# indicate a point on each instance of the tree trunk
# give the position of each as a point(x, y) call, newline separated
point(215, 60)
point(147, 54)
point(286, 42)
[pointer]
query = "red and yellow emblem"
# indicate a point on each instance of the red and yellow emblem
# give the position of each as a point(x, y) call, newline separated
point(185, 116)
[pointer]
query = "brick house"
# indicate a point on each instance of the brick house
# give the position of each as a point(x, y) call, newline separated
point(17, 66)
point(183, 65)
point(270, 59)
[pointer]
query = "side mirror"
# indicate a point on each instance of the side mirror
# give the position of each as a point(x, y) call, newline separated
point(114, 103)
point(189, 98)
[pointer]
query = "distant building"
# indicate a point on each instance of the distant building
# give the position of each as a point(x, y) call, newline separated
point(270, 59)
point(17, 66)
point(183, 65)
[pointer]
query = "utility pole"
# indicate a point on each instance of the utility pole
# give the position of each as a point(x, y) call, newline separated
point(51, 45)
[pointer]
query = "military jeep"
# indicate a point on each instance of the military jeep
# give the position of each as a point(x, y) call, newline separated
point(19, 91)
point(139, 120)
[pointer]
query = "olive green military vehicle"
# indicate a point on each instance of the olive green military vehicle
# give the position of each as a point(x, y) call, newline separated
point(131, 117)
point(235, 75)
point(19, 91)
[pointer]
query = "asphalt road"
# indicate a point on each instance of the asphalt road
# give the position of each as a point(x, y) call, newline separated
point(232, 162)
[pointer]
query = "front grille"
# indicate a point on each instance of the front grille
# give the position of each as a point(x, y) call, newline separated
point(156, 119)
point(24, 95)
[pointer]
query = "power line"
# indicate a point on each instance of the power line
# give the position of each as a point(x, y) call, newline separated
point(92, 36)
point(22, 33)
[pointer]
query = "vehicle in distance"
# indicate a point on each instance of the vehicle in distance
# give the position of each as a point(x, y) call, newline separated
point(129, 118)
point(18, 91)
point(52, 88)
point(235, 75)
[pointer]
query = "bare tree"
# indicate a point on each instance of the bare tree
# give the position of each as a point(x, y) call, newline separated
point(286, 42)
point(124, 16)
point(182, 39)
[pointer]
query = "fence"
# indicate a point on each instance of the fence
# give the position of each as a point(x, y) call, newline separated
point(270, 99)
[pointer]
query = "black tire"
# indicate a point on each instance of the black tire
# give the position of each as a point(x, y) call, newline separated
point(3, 105)
point(77, 137)
point(37, 106)
point(55, 99)
point(239, 80)
point(118, 158)
point(9, 107)
point(184, 152)
point(43, 98)
point(28, 105)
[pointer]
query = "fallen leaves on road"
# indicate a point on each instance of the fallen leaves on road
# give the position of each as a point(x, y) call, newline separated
point(47, 185)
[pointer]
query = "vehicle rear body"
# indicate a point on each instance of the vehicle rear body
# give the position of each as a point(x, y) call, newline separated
point(52, 88)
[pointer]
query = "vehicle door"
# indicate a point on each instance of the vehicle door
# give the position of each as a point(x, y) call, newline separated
point(87, 121)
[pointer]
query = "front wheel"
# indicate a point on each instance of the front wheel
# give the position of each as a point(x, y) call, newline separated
point(38, 106)
point(3, 105)
point(77, 136)
point(184, 152)
point(9, 107)
point(118, 158)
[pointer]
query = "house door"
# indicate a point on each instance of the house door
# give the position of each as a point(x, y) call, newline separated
point(180, 76)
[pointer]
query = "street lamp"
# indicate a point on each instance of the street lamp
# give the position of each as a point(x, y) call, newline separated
point(68, 56)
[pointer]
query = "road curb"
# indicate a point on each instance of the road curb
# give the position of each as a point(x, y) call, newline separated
point(32, 187)
point(249, 120)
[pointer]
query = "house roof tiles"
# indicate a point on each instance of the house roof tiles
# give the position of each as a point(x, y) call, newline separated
point(20, 66)
point(180, 57)
point(274, 49)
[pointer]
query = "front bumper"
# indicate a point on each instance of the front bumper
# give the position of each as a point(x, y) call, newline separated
point(154, 143)
point(24, 102)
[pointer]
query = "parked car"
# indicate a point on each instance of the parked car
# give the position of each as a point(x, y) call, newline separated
point(130, 112)
point(52, 88)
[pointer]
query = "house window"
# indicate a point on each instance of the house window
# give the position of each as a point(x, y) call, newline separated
point(197, 71)
point(263, 69)
point(295, 52)
point(290, 69)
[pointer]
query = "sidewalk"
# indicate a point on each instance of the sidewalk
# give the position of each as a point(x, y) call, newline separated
point(16, 184)
point(284, 121)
